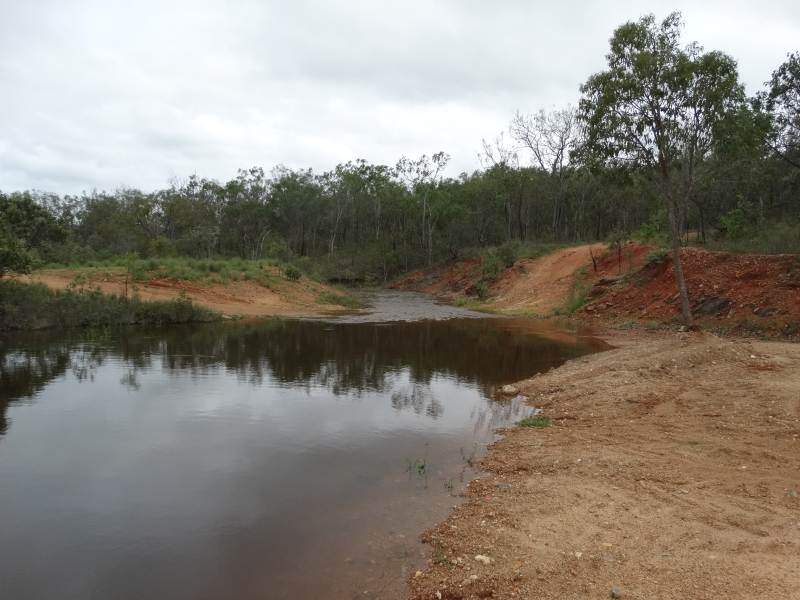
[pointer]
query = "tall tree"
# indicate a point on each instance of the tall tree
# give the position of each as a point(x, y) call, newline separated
point(550, 137)
point(657, 107)
point(782, 100)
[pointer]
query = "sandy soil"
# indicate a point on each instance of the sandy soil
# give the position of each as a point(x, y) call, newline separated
point(242, 298)
point(541, 285)
point(671, 470)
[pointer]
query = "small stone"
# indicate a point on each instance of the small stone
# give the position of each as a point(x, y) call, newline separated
point(503, 486)
point(616, 593)
point(578, 554)
point(483, 559)
point(510, 390)
point(418, 574)
point(438, 595)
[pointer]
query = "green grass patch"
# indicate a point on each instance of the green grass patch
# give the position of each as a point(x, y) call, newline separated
point(346, 300)
point(578, 295)
point(34, 306)
point(538, 422)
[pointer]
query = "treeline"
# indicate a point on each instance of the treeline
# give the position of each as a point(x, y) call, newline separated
point(556, 176)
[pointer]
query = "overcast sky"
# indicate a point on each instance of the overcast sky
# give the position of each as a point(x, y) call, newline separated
point(106, 94)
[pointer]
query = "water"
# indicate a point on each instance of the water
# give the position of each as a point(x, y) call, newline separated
point(276, 459)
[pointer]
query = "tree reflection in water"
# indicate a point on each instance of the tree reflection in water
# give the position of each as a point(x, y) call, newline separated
point(345, 358)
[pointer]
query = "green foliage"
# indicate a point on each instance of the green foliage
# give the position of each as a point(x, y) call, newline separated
point(661, 116)
point(736, 224)
point(536, 422)
point(508, 253)
point(491, 265)
point(342, 299)
point(292, 273)
point(35, 306)
point(772, 237)
point(14, 257)
point(656, 257)
point(578, 295)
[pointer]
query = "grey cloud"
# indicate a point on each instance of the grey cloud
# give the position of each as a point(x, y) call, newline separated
point(103, 94)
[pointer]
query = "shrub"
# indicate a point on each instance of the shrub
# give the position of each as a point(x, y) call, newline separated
point(292, 273)
point(508, 253)
point(35, 306)
point(656, 257)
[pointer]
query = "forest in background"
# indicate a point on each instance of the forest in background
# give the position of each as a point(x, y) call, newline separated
point(598, 171)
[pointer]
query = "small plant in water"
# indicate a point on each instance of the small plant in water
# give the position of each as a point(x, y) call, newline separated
point(535, 422)
point(470, 458)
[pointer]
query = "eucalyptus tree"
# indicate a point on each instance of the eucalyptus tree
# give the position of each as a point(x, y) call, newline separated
point(550, 137)
point(249, 215)
point(422, 176)
point(782, 100)
point(657, 107)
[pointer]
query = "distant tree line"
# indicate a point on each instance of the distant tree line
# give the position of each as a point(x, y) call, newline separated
point(664, 144)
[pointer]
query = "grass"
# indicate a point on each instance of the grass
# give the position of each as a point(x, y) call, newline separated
point(34, 306)
point(340, 299)
point(537, 422)
point(264, 272)
point(578, 295)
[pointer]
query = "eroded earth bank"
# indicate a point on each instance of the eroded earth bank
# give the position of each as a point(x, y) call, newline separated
point(670, 469)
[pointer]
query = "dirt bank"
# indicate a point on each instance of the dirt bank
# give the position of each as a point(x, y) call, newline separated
point(242, 298)
point(744, 294)
point(741, 293)
point(670, 470)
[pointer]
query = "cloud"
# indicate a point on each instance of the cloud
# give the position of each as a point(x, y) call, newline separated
point(105, 94)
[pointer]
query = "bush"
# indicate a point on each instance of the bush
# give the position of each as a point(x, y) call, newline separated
point(292, 273)
point(656, 257)
point(508, 253)
point(491, 264)
point(35, 306)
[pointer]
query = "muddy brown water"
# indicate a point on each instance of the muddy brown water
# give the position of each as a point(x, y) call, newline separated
point(274, 459)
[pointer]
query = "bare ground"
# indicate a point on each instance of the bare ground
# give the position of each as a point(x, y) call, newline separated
point(242, 298)
point(671, 470)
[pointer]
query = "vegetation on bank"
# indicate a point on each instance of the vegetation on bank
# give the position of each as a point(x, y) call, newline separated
point(35, 306)
point(664, 144)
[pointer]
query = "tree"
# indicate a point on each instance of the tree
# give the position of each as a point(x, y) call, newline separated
point(550, 137)
point(14, 257)
point(657, 108)
point(783, 103)
point(423, 176)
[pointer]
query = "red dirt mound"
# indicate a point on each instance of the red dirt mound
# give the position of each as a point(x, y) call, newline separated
point(734, 291)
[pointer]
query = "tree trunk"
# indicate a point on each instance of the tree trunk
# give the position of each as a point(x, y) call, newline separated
point(675, 234)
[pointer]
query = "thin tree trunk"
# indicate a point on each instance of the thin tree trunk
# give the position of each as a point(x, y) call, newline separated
point(686, 310)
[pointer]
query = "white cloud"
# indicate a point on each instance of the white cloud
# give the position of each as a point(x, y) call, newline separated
point(103, 94)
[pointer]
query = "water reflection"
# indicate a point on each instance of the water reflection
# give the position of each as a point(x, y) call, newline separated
point(345, 358)
point(281, 459)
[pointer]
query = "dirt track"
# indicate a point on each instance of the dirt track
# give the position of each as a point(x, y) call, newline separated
point(244, 298)
point(541, 285)
point(671, 471)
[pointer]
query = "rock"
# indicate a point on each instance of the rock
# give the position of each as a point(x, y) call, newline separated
point(764, 311)
point(510, 390)
point(418, 574)
point(483, 559)
point(616, 593)
point(712, 305)
point(503, 486)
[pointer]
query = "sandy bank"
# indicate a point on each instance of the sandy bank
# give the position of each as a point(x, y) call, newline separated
point(671, 470)
point(241, 298)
